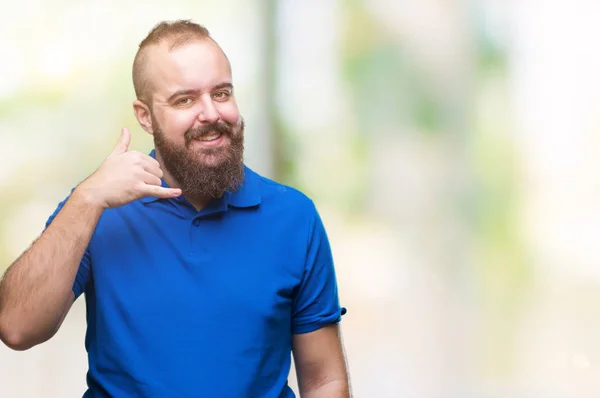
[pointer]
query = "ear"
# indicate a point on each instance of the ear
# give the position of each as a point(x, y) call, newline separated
point(143, 116)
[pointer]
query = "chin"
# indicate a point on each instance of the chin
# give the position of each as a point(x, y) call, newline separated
point(212, 160)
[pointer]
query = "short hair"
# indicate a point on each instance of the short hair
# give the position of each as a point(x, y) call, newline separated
point(177, 33)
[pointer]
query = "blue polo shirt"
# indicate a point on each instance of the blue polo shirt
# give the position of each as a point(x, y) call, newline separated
point(187, 303)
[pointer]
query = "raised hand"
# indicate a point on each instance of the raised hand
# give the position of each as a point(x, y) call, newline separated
point(125, 176)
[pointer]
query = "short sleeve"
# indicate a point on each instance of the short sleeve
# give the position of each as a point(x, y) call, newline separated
point(316, 302)
point(83, 273)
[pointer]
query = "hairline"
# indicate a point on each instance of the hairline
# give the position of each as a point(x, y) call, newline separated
point(173, 43)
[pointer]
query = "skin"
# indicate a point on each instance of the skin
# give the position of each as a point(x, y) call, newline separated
point(320, 363)
point(192, 86)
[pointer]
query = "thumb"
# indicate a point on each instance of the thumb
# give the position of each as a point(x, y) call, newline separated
point(123, 144)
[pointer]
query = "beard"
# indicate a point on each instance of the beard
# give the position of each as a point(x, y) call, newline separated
point(205, 172)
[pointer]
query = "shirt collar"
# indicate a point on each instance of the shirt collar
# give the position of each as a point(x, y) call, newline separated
point(247, 195)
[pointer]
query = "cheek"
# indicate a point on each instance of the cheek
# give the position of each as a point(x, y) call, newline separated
point(178, 123)
point(229, 113)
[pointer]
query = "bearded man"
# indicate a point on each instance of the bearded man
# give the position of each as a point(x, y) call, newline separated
point(201, 277)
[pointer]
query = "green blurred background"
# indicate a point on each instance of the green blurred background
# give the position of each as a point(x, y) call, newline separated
point(450, 145)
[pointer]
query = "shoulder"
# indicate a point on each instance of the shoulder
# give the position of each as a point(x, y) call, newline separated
point(273, 193)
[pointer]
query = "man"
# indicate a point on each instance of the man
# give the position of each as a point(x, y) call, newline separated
point(200, 276)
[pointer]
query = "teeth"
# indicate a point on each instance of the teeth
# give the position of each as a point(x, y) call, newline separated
point(209, 137)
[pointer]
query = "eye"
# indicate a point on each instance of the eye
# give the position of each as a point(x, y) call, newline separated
point(183, 101)
point(221, 95)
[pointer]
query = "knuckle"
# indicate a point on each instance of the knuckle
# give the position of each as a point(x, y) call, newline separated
point(133, 157)
point(137, 156)
point(139, 185)
point(138, 174)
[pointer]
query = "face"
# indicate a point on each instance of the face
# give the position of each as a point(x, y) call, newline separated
point(198, 131)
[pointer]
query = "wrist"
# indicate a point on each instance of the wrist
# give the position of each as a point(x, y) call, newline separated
point(88, 197)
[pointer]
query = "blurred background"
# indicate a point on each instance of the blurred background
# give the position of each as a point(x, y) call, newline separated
point(450, 145)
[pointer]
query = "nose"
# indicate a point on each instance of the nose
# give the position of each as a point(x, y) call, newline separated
point(208, 112)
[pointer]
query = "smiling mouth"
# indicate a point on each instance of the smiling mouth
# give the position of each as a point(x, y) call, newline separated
point(209, 137)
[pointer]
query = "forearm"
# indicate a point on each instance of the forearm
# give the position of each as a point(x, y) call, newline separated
point(36, 289)
point(331, 389)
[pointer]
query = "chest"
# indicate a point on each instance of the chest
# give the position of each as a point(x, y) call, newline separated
point(196, 272)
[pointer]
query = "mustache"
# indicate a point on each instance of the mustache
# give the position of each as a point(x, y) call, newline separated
point(219, 127)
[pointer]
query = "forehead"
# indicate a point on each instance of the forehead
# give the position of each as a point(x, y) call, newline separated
point(196, 65)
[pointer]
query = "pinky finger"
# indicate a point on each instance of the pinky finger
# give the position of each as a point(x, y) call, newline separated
point(162, 192)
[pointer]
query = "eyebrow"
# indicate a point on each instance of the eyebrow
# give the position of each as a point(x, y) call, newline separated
point(192, 91)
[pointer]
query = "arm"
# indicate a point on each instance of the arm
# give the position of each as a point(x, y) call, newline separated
point(316, 342)
point(36, 291)
point(320, 364)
